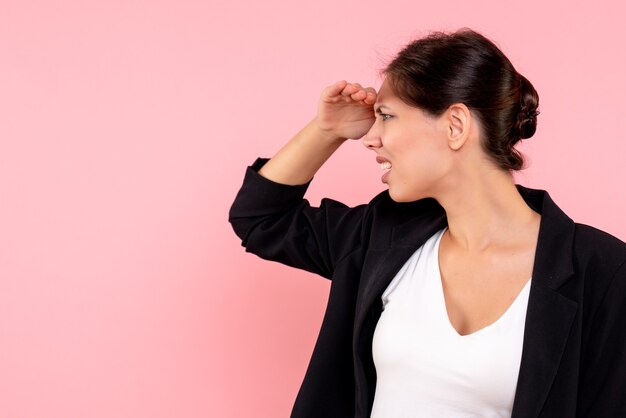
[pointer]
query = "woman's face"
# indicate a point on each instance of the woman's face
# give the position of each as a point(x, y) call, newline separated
point(414, 143)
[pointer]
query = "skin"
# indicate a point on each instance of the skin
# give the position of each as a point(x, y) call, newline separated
point(344, 111)
point(442, 158)
point(486, 255)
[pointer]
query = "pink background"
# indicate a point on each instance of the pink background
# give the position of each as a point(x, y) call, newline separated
point(125, 130)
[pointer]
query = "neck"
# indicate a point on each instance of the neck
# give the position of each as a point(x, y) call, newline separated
point(486, 211)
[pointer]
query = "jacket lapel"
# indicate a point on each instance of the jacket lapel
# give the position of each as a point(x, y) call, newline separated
point(379, 268)
point(549, 315)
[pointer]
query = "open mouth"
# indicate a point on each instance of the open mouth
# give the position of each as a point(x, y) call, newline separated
point(385, 165)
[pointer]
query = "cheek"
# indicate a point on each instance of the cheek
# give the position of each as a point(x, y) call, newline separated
point(420, 169)
point(423, 162)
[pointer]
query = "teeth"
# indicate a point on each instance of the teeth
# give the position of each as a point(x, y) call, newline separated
point(385, 165)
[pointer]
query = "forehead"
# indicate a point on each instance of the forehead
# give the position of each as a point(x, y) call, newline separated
point(385, 96)
point(387, 99)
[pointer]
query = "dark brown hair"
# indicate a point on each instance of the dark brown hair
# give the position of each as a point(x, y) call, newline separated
point(441, 69)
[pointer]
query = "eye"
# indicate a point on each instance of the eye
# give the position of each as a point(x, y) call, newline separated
point(385, 116)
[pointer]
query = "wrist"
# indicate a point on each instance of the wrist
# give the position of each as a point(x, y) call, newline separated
point(325, 135)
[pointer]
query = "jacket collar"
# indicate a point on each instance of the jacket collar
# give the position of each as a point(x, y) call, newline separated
point(556, 236)
point(549, 314)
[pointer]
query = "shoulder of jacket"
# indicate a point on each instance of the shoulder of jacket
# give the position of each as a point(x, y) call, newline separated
point(599, 239)
point(598, 247)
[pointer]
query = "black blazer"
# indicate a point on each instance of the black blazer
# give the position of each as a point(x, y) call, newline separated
point(574, 351)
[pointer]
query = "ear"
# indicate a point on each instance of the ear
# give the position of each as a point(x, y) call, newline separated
point(458, 122)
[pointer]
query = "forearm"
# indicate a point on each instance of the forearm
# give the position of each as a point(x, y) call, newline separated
point(275, 222)
point(298, 160)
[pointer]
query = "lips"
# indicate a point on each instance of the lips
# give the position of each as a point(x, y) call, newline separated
point(384, 163)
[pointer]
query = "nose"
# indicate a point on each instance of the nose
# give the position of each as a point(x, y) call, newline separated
point(371, 139)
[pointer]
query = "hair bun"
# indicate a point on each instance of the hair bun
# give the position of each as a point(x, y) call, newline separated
point(527, 117)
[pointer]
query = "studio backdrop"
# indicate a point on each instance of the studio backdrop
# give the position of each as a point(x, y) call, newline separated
point(125, 131)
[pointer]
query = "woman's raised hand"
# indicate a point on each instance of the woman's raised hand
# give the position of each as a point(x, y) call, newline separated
point(346, 110)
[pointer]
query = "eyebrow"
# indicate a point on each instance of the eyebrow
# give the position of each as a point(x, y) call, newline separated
point(381, 106)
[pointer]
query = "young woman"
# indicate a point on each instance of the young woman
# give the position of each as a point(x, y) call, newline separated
point(456, 292)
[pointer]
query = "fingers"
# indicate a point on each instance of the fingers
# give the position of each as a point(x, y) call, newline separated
point(356, 92)
point(370, 95)
point(365, 95)
point(336, 88)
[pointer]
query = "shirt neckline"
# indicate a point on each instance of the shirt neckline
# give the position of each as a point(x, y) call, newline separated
point(442, 300)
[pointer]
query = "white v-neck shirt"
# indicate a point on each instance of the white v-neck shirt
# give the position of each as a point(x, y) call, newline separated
point(424, 367)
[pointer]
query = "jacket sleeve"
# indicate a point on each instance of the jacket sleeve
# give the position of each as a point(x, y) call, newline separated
point(276, 223)
point(603, 386)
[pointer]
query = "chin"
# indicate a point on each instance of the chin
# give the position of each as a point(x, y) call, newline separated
point(400, 197)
